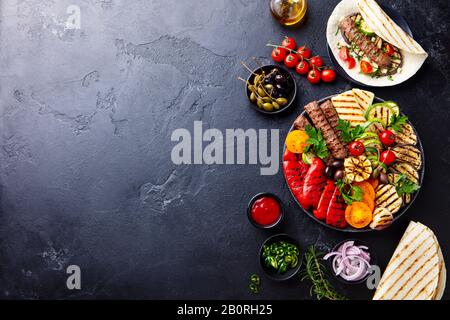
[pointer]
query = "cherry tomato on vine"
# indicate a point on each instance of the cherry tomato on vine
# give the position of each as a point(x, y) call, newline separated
point(314, 76)
point(316, 61)
point(356, 148)
point(328, 75)
point(304, 52)
point(291, 60)
point(302, 67)
point(387, 138)
point(388, 157)
point(289, 43)
point(278, 54)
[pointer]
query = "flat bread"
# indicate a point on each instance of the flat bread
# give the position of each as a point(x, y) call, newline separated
point(387, 29)
point(348, 108)
point(364, 98)
point(412, 62)
point(442, 275)
point(415, 269)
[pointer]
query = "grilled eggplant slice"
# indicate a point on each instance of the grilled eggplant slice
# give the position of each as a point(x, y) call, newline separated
point(409, 154)
point(406, 135)
point(386, 197)
point(408, 170)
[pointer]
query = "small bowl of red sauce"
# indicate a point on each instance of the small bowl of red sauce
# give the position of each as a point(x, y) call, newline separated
point(264, 210)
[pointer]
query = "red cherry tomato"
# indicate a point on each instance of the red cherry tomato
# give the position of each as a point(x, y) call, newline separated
point(278, 54)
point(356, 148)
point(387, 138)
point(316, 61)
point(389, 49)
point(314, 76)
point(291, 60)
point(387, 157)
point(328, 75)
point(289, 43)
point(351, 62)
point(304, 52)
point(366, 67)
point(343, 53)
point(302, 67)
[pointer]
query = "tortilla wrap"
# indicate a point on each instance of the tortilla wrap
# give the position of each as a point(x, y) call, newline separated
point(412, 61)
point(416, 270)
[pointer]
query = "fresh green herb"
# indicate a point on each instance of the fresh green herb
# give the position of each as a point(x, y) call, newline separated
point(337, 31)
point(314, 271)
point(397, 122)
point(280, 256)
point(349, 134)
point(348, 192)
point(390, 78)
point(317, 143)
point(404, 185)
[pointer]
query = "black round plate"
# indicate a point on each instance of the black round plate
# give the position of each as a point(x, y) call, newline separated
point(398, 214)
point(267, 68)
point(290, 273)
point(397, 18)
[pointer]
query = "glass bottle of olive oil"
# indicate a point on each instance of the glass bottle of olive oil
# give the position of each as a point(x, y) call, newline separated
point(288, 12)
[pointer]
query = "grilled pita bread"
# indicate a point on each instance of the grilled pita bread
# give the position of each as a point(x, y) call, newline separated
point(364, 98)
point(348, 108)
point(414, 271)
point(412, 62)
point(387, 29)
point(442, 275)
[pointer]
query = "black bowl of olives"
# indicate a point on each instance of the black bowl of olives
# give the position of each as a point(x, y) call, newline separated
point(271, 89)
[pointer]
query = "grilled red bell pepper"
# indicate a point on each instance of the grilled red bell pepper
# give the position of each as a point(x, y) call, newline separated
point(315, 181)
point(324, 202)
point(336, 210)
point(289, 156)
point(295, 172)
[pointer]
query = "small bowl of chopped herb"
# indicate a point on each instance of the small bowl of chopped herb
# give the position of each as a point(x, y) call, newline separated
point(280, 257)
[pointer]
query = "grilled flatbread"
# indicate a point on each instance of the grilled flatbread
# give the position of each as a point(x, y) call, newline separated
point(414, 270)
point(387, 29)
point(364, 98)
point(348, 108)
point(409, 154)
point(442, 275)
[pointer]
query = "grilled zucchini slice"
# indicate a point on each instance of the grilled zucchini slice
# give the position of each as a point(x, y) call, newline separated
point(406, 135)
point(387, 197)
point(408, 170)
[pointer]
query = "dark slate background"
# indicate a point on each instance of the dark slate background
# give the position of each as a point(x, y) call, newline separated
point(85, 123)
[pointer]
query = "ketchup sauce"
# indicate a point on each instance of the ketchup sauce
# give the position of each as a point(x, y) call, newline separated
point(265, 211)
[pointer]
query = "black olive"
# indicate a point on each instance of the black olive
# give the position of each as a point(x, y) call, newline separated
point(329, 172)
point(383, 178)
point(280, 88)
point(280, 79)
point(339, 174)
point(337, 164)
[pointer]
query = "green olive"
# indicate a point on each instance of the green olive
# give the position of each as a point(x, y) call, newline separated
point(252, 97)
point(275, 105)
point(261, 92)
point(282, 101)
point(267, 100)
point(268, 106)
point(259, 103)
point(251, 88)
point(256, 80)
point(268, 87)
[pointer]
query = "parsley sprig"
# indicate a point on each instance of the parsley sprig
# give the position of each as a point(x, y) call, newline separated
point(317, 143)
point(404, 185)
point(349, 193)
point(397, 122)
point(349, 133)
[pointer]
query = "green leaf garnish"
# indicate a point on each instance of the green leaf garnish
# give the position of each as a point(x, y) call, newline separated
point(397, 122)
point(349, 193)
point(405, 186)
point(317, 143)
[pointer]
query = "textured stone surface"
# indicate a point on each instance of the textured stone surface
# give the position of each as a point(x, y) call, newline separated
point(85, 123)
